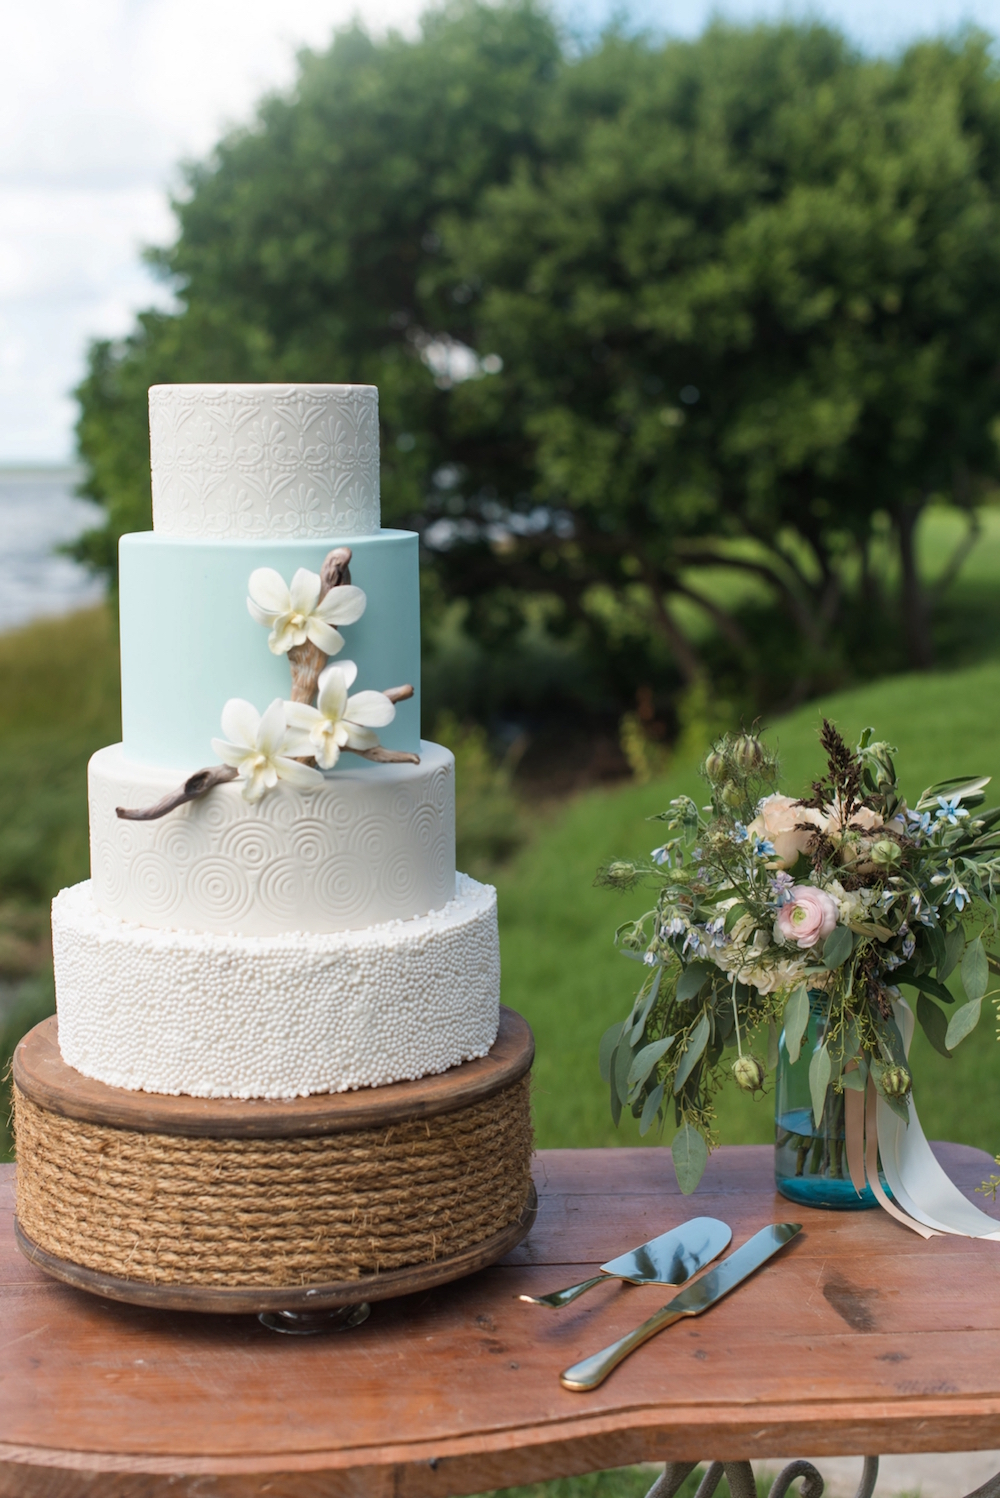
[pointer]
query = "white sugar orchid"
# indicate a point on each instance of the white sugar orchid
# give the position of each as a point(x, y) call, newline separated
point(260, 749)
point(338, 721)
point(296, 613)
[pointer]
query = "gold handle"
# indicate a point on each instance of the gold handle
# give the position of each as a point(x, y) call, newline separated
point(594, 1370)
point(560, 1298)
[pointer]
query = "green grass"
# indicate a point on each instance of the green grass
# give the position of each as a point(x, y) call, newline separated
point(59, 701)
point(560, 968)
point(620, 1482)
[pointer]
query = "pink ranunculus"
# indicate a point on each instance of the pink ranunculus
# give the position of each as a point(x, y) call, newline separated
point(777, 821)
point(808, 917)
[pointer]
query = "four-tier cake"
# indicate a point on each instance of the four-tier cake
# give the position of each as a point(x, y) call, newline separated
point(280, 1071)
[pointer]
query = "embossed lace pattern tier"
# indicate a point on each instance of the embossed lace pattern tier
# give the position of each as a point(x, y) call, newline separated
point(282, 1016)
point(376, 843)
point(235, 462)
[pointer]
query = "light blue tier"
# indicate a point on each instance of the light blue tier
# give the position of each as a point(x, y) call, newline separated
point(189, 643)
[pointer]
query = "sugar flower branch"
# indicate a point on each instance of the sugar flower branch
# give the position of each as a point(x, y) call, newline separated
point(260, 749)
point(301, 611)
point(339, 721)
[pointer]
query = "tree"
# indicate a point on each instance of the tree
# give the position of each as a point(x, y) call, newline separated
point(744, 315)
point(641, 317)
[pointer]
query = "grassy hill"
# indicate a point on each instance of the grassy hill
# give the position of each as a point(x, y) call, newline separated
point(560, 968)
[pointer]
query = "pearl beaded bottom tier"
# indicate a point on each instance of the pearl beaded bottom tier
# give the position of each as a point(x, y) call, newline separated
point(275, 1016)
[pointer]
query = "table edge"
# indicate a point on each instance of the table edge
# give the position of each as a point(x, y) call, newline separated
point(734, 1433)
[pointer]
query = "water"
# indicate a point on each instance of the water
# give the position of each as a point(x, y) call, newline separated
point(812, 1181)
point(38, 511)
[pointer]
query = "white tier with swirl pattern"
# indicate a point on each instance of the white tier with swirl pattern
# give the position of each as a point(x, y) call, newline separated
point(235, 462)
point(205, 1015)
point(375, 844)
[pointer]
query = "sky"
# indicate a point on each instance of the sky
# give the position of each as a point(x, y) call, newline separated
point(100, 102)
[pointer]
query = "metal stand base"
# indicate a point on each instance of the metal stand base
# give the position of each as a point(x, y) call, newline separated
point(309, 1323)
point(742, 1484)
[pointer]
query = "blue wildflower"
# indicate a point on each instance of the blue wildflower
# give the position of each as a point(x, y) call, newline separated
point(950, 810)
point(958, 896)
point(920, 822)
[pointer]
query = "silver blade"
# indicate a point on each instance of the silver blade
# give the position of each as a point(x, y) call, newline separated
point(673, 1257)
point(732, 1271)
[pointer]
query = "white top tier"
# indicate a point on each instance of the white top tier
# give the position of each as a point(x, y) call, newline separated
point(233, 462)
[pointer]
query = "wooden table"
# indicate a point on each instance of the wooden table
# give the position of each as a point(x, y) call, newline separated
point(858, 1338)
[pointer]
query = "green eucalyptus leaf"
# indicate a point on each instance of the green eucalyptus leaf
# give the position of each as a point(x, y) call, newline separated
point(890, 1041)
point(975, 973)
point(650, 1109)
point(644, 1060)
point(690, 1156)
point(609, 1041)
point(643, 1015)
point(796, 1020)
point(697, 1041)
point(899, 1106)
point(622, 1067)
point(838, 947)
point(954, 946)
point(933, 1023)
point(732, 916)
point(616, 1104)
point(962, 1023)
point(934, 937)
point(926, 984)
point(692, 980)
point(853, 1080)
point(819, 1081)
point(772, 1045)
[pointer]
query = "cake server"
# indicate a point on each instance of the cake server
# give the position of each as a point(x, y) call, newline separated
point(691, 1302)
point(669, 1259)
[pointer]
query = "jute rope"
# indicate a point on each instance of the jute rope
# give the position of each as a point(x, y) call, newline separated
point(167, 1209)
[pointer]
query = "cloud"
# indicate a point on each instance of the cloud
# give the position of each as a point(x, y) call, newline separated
point(99, 102)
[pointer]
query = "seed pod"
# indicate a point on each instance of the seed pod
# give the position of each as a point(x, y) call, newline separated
point(749, 1073)
point(731, 794)
point(885, 853)
point(896, 1081)
point(748, 752)
point(621, 873)
point(715, 766)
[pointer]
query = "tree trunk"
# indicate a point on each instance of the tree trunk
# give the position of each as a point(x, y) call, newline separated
point(914, 611)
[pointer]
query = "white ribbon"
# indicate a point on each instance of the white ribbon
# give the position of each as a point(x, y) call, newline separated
point(918, 1183)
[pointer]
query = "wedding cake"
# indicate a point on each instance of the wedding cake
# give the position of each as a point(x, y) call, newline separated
point(273, 908)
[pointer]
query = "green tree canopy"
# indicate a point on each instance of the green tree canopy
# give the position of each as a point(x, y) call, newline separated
point(642, 317)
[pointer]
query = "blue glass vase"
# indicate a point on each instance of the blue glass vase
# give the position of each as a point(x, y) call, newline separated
point(810, 1160)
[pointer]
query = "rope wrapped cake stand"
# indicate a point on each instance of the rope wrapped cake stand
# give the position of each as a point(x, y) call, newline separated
point(285, 1208)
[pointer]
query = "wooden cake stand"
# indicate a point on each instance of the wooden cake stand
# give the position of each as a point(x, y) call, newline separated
point(288, 1207)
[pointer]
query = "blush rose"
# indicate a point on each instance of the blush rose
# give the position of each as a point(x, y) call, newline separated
point(808, 917)
point(777, 822)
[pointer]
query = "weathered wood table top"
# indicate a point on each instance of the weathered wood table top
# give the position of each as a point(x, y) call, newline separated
point(859, 1337)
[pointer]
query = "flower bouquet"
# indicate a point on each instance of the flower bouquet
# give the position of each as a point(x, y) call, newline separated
point(809, 916)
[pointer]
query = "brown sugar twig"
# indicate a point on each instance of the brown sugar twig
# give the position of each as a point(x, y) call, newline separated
point(196, 786)
point(307, 660)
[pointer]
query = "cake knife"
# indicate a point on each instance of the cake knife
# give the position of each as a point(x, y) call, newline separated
point(712, 1286)
point(669, 1259)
